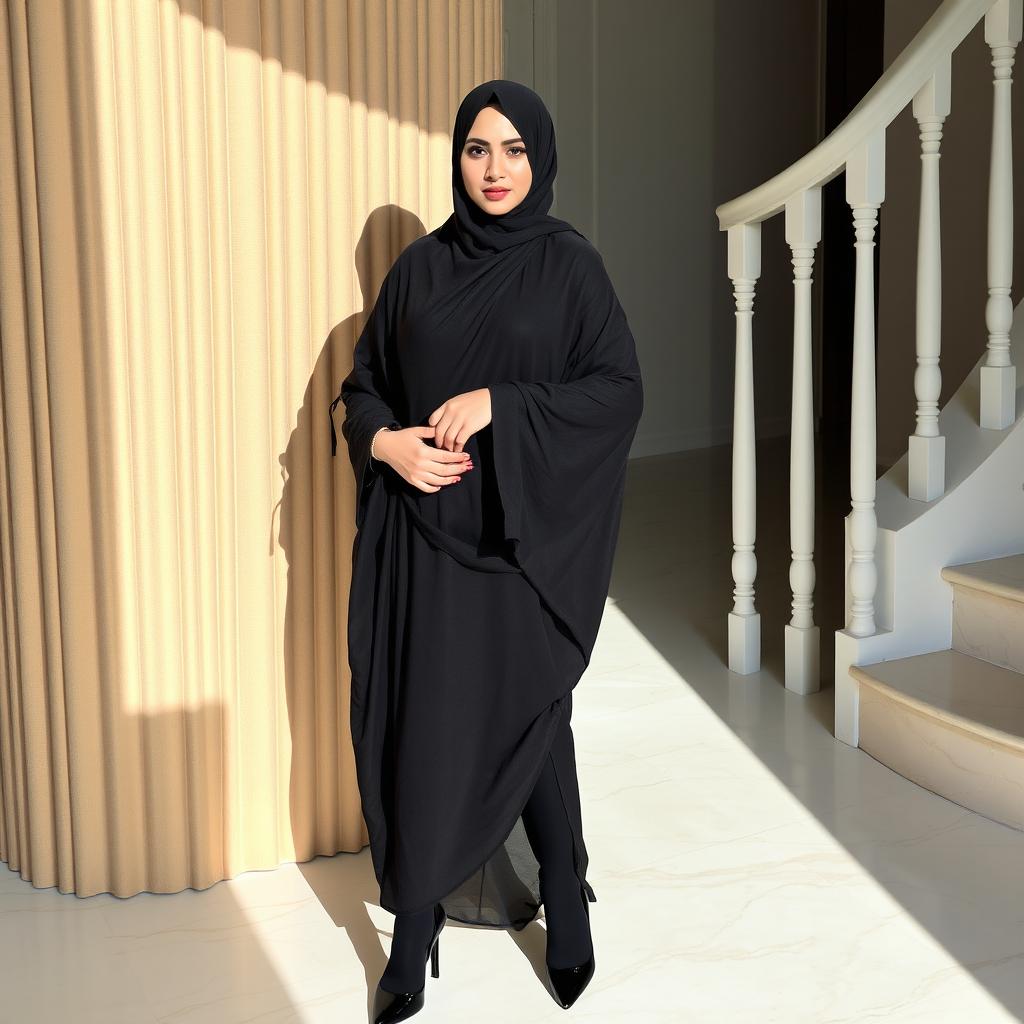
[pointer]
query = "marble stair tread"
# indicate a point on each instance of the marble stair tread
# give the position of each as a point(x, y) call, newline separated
point(1002, 576)
point(967, 692)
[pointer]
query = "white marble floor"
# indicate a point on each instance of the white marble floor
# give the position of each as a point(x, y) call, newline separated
point(748, 867)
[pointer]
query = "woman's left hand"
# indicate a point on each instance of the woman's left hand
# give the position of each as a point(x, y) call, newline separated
point(458, 419)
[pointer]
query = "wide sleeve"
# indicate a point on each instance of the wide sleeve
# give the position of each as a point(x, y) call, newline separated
point(560, 455)
point(367, 395)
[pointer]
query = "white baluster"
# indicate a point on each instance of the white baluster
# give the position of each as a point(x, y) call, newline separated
point(998, 375)
point(865, 190)
point(927, 447)
point(744, 621)
point(803, 232)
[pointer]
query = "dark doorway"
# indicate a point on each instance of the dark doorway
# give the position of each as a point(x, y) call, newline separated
point(852, 63)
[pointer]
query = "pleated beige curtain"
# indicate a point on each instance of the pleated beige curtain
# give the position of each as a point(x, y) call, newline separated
point(199, 202)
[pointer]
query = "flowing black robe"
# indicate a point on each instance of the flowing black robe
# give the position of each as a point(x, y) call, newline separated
point(474, 609)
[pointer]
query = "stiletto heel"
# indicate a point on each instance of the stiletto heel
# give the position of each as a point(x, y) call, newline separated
point(391, 1007)
point(567, 983)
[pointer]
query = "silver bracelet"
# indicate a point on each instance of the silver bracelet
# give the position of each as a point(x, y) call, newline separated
point(374, 439)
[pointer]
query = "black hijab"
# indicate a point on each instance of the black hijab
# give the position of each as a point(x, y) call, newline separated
point(479, 233)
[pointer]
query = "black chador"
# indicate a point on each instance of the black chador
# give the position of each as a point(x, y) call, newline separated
point(474, 609)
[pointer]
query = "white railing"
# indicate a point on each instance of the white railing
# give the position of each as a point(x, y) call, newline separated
point(921, 76)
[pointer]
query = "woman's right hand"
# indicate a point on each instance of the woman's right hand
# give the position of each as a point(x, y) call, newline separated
point(422, 465)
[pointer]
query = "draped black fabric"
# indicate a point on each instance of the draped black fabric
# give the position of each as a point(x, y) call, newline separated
point(473, 610)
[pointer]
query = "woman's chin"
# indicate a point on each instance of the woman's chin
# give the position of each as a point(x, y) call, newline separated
point(490, 208)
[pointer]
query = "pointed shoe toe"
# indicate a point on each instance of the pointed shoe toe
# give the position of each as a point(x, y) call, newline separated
point(391, 1007)
point(567, 983)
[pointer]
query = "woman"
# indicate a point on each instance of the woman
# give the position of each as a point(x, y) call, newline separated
point(494, 395)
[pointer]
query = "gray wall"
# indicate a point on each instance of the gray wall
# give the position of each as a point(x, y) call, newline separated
point(664, 109)
point(963, 170)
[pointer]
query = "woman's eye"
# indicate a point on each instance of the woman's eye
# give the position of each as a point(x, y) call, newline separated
point(473, 150)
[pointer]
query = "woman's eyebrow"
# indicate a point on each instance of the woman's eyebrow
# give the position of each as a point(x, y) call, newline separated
point(483, 142)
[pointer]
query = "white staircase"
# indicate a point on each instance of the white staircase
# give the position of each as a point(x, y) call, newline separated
point(953, 720)
point(928, 667)
point(988, 610)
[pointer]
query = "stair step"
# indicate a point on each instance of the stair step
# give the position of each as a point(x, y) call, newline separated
point(951, 723)
point(988, 610)
point(1002, 577)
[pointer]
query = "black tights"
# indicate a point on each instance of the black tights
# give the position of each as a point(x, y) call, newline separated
point(547, 828)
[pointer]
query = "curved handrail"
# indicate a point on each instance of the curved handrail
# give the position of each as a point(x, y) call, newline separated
point(940, 35)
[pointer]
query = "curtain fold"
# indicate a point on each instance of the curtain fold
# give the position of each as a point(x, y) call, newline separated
point(198, 203)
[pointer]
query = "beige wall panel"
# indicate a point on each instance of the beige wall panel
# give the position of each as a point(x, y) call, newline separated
point(198, 204)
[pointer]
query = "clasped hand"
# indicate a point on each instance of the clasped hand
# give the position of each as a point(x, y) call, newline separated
point(451, 425)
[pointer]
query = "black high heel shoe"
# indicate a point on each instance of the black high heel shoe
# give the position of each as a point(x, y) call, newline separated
point(391, 1007)
point(566, 983)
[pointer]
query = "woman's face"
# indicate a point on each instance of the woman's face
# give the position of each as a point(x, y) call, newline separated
point(494, 157)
